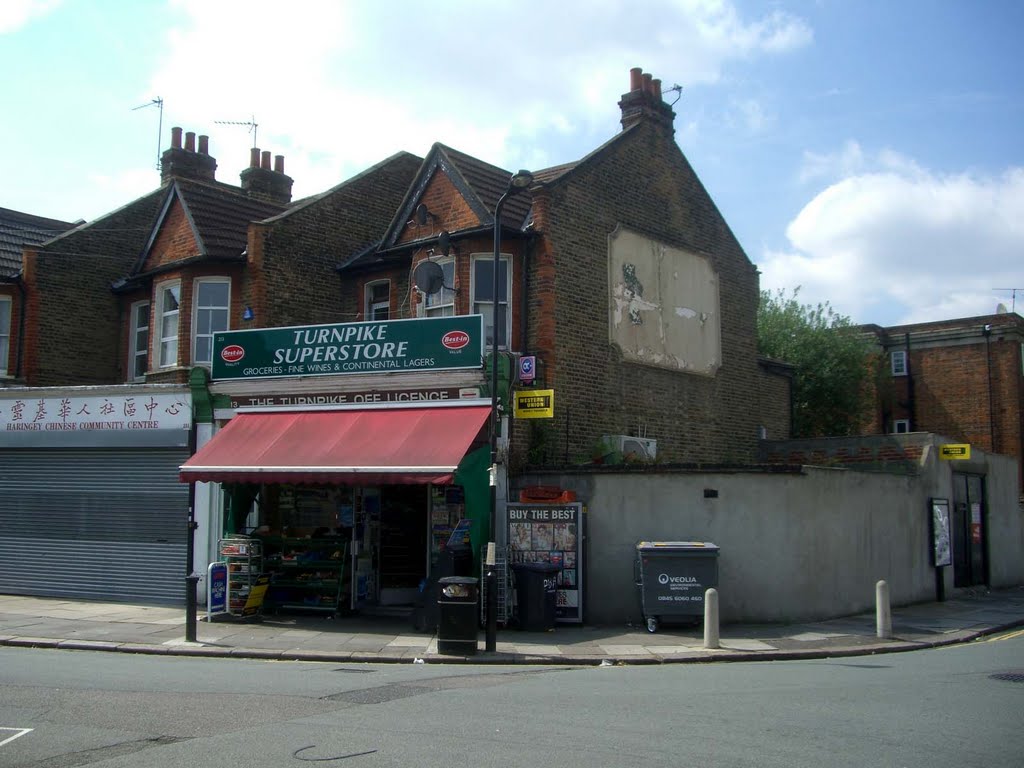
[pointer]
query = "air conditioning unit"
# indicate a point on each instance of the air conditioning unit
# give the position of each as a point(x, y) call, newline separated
point(636, 448)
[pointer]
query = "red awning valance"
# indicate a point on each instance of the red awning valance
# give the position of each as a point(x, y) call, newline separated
point(357, 447)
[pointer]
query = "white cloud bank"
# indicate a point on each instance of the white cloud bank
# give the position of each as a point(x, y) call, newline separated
point(890, 242)
point(15, 14)
point(336, 87)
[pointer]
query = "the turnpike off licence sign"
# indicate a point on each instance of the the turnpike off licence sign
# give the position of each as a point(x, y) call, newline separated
point(388, 346)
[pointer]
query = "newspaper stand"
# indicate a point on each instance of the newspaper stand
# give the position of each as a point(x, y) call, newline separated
point(672, 577)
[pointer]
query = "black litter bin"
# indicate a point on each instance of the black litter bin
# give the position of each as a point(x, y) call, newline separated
point(458, 615)
point(453, 561)
point(535, 595)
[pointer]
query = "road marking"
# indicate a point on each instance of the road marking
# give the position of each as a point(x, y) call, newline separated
point(20, 732)
point(1007, 636)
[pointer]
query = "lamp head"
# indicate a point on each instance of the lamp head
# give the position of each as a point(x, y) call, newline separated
point(520, 180)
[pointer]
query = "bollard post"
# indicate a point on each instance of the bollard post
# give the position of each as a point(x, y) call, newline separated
point(711, 619)
point(883, 613)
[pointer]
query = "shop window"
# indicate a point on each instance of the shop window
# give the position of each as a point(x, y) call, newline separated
point(5, 333)
point(898, 360)
point(138, 361)
point(210, 316)
point(378, 300)
point(901, 426)
point(168, 299)
point(483, 288)
point(442, 303)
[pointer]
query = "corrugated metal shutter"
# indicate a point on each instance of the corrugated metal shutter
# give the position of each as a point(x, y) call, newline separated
point(93, 523)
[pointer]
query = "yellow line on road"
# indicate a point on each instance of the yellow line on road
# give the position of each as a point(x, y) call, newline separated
point(1007, 636)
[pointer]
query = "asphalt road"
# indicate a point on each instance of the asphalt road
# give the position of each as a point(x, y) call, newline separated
point(958, 706)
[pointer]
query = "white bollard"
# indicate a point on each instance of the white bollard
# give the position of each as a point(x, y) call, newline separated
point(711, 619)
point(883, 613)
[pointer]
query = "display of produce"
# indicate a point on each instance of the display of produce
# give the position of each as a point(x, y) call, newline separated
point(307, 574)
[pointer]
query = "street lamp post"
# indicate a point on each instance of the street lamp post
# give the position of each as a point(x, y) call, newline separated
point(516, 184)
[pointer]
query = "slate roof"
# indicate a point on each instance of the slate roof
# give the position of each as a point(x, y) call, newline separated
point(19, 229)
point(219, 215)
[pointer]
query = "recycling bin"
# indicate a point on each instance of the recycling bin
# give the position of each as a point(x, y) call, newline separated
point(672, 577)
point(458, 611)
point(536, 588)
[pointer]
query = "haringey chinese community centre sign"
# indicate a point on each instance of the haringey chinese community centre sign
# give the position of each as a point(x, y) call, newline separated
point(389, 346)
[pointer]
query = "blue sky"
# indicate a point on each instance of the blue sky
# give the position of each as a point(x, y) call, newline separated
point(870, 152)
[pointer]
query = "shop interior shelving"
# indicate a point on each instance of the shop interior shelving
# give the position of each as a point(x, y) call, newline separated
point(307, 574)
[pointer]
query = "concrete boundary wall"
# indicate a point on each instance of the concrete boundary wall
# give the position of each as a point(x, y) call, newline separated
point(805, 544)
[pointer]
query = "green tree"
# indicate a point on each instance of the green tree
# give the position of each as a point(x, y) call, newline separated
point(831, 361)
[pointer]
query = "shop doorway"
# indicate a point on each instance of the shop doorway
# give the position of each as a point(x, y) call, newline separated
point(970, 565)
point(403, 543)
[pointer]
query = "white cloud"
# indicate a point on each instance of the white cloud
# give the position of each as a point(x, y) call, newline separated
point(338, 86)
point(15, 14)
point(898, 243)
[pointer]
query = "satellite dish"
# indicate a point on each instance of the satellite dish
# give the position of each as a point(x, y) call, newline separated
point(421, 214)
point(1001, 309)
point(428, 277)
point(444, 242)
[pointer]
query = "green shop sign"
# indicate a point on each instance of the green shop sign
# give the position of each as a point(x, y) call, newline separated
point(390, 346)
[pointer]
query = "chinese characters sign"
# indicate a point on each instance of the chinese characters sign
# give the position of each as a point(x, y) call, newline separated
point(95, 412)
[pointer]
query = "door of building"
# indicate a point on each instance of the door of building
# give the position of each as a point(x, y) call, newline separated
point(970, 566)
point(403, 543)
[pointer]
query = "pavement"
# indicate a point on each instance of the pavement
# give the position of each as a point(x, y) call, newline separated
point(36, 622)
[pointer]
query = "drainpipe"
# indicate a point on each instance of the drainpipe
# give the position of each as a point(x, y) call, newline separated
point(21, 325)
point(986, 331)
point(911, 407)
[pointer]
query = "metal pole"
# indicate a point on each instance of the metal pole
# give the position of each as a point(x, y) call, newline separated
point(491, 623)
point(191, 578)
point(491, 638)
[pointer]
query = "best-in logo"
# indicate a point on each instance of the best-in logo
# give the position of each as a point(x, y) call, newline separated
point(455, 339)
point(232, 353)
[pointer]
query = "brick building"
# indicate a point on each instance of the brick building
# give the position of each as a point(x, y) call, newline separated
point(617, 273)
point(17, 230)
point(962, 378)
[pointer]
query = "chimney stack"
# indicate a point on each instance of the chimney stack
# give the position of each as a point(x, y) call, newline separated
point(644, 102)
point(184, 162)
point(261, 182)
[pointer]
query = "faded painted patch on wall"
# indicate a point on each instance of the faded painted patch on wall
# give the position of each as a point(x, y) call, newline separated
point(664, 306)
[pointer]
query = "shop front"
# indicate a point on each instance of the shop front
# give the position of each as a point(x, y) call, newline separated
point(91, 507)
point(349, 484)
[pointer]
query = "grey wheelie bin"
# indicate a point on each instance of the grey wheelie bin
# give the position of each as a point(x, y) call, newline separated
point(672, 577)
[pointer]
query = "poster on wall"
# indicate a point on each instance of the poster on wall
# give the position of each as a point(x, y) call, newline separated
point(942, 553)
point(551, 533)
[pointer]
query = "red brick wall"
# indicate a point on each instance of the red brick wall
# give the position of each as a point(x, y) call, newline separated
point(644, 183)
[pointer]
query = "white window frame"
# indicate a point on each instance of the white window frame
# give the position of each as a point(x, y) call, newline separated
point(898, 362)
point(484, 307)
point(161, 342)
point(900, 426)
point(197, 308)
point(6, 306)
point(371, 307)
point(137, 350)
point(442, 303)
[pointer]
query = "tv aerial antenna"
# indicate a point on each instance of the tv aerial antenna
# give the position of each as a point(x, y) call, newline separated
point(1013, 296)
point(251, 124)
point(159, 103)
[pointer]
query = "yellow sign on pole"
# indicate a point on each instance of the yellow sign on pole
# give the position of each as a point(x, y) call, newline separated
point(534, 404)
point(955, 451)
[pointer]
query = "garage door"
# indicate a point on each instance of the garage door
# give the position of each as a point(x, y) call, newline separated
point(100, 524)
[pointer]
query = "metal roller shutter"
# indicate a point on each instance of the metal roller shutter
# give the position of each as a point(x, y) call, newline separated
point(106, 524)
